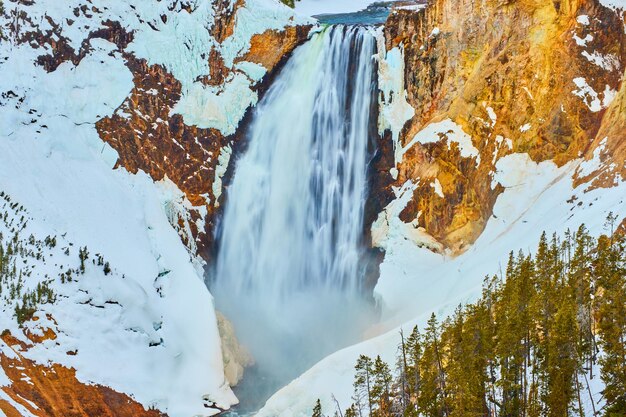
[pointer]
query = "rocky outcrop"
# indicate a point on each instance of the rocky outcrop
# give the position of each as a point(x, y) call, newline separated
point(236, 357)
point(538, 77)
point(54, 391)
point(271, 47)
point(607, 153)
point(145, 131)
point(150, 137)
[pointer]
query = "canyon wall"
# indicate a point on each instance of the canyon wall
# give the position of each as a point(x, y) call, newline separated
point(149, 135)
point(495, 77)
point(230, 60)
point(499, 119)
point(161, 92)
point(117, 125)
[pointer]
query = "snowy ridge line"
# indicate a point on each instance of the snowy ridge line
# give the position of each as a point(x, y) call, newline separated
point(168, 34)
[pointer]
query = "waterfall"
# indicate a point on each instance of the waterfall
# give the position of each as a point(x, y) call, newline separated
point(289, 269)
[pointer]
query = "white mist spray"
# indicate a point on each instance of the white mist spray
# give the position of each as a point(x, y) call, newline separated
point(289, 272)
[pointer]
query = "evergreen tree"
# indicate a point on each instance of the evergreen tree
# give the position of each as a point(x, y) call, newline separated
point(527, 348)
point(403, 365)
point(83, 255)
point(381, 388)
point(414, 355)
point(363, 384)
point(474, 354)
point(611, 275)
point(352, 412)
point(317, 410)
point(562, 364)
point(432, 396)
point(510, 334)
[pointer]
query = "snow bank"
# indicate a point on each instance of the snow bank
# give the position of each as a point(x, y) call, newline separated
point(614, 4)
point(158, 339)
point(220, 107)
point(434, 132)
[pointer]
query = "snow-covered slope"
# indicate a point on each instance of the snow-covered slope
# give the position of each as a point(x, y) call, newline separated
point(53, 163)
point(147, 329)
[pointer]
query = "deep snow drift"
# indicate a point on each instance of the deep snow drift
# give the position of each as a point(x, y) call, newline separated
point(289, 271)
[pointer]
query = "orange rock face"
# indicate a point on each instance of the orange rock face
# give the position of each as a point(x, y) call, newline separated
point(272, 46)
point(517, 60)
point(54, 391)
point(610, 146)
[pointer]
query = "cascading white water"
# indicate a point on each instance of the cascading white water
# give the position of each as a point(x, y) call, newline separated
point(288, 271)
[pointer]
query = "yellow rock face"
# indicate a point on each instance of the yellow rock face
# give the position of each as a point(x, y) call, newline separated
point(272, 46)
point(537, 74)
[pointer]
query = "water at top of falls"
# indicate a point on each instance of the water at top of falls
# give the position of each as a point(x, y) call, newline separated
point(289, 269)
